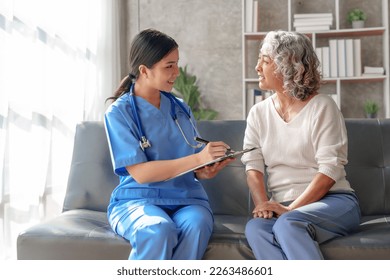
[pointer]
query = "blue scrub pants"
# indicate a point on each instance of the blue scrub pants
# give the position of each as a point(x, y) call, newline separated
point(167, 232)
point(296, 235)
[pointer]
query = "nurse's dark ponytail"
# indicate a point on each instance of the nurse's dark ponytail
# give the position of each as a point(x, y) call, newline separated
point(123, 87)
point(148, 47)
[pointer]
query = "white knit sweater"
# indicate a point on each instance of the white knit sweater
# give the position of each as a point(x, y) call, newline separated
point(314, 141)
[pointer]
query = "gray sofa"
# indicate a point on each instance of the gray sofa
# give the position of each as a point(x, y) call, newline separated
point(82, 230)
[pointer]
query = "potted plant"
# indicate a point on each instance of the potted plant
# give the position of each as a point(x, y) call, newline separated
point(371, 109)
point(356, 17)
point(185, 86)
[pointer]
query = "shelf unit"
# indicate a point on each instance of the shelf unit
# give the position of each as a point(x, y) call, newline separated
point(348, 92)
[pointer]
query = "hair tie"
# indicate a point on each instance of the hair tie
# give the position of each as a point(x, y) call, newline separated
point(132, 77)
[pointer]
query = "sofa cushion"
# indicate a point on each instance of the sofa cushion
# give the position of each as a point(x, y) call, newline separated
point(86, 235)
point(91, 178)
point(371, 241)
point(74, 234)
point(228, 241)
point(368, 168)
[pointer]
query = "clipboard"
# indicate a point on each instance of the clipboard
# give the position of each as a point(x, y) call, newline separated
point(230, 155)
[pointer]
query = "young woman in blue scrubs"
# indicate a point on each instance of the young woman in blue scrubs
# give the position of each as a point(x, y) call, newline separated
point(151, 138)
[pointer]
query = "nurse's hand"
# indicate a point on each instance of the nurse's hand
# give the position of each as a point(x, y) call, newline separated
point(212, 151)
point(209, 172)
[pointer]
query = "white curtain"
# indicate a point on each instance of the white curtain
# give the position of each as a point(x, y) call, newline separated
point(59, 60)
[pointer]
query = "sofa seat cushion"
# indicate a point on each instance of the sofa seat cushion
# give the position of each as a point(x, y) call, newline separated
point(228, 241)
point(371, 241)
point(75, 234)
point(86, 235)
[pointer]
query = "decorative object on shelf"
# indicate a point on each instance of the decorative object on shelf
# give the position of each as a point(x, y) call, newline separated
point(356, 17)
point(371, 109)
point(186, 88)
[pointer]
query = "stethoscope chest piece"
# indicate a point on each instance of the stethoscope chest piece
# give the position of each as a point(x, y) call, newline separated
point(144, 143)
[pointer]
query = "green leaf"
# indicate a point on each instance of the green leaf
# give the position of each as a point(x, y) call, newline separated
point(186, 88)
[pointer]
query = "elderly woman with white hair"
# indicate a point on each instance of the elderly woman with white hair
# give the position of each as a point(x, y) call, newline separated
point(302, 143)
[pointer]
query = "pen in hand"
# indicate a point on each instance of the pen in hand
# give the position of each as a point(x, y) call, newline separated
point(203, 141)
point(200, 140)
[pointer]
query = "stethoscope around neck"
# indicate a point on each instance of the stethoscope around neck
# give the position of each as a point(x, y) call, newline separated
point(143, 141)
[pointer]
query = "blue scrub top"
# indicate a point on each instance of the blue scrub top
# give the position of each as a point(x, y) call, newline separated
point(167, 143)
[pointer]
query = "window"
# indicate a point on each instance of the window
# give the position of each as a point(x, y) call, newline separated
point(58, 63)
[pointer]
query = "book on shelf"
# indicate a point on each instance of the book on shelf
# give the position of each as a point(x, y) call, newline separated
point(310, 22)
point(248, 15)
point(313, 22)
point(313, 15)
point(325, 62)
point(251, 16)
point(369, 70)
point(255, 16)
point(341, 57)
point(333, 58)
point(257, 95)
point(312, 28)
point(349, 60)
point(357, 57)
point(319, 56)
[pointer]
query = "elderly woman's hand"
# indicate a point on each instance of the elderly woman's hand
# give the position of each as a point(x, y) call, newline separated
point(269, 209)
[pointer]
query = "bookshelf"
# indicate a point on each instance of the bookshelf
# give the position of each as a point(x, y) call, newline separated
point(350, 92)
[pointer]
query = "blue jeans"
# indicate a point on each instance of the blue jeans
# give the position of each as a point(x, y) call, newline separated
point(296, 235)
point(167, 232)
